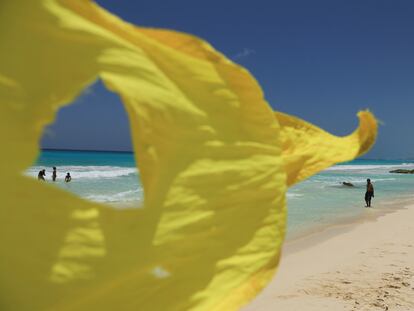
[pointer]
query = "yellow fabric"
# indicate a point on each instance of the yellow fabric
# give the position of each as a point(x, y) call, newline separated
point(209, 151)
point(307, 149)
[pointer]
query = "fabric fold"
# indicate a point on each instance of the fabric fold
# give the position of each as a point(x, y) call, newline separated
point(307, 149)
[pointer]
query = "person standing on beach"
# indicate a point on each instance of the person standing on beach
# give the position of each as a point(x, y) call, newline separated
point(41, 175)
point(54, 174)
point(68, 178)
point(370, 193)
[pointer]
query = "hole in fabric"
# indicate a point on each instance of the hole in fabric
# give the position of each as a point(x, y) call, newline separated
point(90, 139)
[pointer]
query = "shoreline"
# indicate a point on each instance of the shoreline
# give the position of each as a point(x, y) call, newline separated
point(341, 222)
point(363, 263)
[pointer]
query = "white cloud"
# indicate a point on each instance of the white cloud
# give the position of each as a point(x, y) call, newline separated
point(244, 53)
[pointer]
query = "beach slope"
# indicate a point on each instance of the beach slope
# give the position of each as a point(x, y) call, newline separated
point(367, 265)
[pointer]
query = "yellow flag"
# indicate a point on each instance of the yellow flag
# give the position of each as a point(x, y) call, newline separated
point(214, 162)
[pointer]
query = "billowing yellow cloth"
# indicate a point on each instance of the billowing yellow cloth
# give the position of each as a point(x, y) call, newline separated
point(214, 159)
point(306, 149)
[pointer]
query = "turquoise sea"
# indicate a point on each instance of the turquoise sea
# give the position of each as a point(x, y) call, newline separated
point(111, 178)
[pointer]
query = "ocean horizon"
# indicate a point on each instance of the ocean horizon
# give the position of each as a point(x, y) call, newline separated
point(111, 177)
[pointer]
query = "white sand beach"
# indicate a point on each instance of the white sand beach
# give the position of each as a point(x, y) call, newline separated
point(364, 265)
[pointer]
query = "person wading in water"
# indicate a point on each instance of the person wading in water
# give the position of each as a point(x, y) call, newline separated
point(41, 175)
point(370, 193)
point(54, 174)
point(68, 178)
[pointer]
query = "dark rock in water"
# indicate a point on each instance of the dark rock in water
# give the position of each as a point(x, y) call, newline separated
point(348, 184)
point(402, 171)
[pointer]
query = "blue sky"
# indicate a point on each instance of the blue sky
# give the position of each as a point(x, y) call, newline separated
point(320, 60)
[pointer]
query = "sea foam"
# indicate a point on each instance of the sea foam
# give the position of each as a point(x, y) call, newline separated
point(125, 196)
point(369, 167)
point(85, 172)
